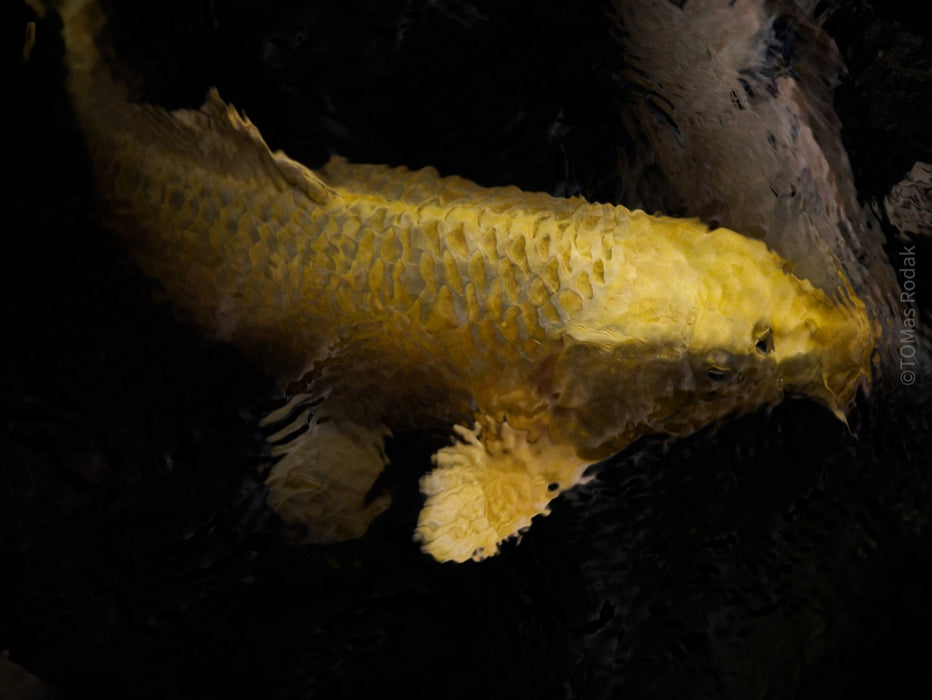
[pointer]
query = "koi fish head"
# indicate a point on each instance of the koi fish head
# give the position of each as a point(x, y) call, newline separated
point(718, 326)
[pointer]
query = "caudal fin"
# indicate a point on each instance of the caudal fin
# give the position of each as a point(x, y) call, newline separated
point(218, 132)
point(89, 76)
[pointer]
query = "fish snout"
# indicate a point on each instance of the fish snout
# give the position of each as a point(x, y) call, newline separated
point(835, 363)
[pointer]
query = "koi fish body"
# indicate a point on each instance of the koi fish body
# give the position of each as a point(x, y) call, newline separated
point(552, 332)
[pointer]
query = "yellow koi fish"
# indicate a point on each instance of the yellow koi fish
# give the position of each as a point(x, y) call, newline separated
point(550, 332)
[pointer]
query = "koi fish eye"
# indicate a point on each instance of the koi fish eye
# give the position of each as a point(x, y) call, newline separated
point(720, 368)
point(719, 374)
point(764, 344)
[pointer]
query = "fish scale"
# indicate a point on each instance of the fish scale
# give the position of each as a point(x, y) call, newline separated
point(554, 331)
point(356, 268)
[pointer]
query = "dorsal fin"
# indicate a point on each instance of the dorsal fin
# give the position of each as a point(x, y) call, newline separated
point(235, 129)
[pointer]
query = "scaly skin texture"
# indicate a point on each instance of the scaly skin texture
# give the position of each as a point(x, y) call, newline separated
point(553, 332)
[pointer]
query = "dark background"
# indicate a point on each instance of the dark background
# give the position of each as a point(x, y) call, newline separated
point(778, 555)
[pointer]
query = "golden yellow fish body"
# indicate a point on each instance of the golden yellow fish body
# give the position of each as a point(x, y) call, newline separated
point(553, 331)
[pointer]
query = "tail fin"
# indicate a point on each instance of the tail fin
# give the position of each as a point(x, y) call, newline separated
point(88, 73)
point(217, 132)
point(97, 95)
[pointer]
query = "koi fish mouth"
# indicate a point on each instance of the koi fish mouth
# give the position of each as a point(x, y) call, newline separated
point(838, 360)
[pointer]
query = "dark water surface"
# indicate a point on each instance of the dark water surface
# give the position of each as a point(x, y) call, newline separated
point(776, 556)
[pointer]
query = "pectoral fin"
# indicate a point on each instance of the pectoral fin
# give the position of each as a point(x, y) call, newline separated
point(488, 486)
point(325, 473)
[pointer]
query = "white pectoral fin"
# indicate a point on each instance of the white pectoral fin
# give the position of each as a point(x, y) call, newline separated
point(324, 475)
point(488, 486)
